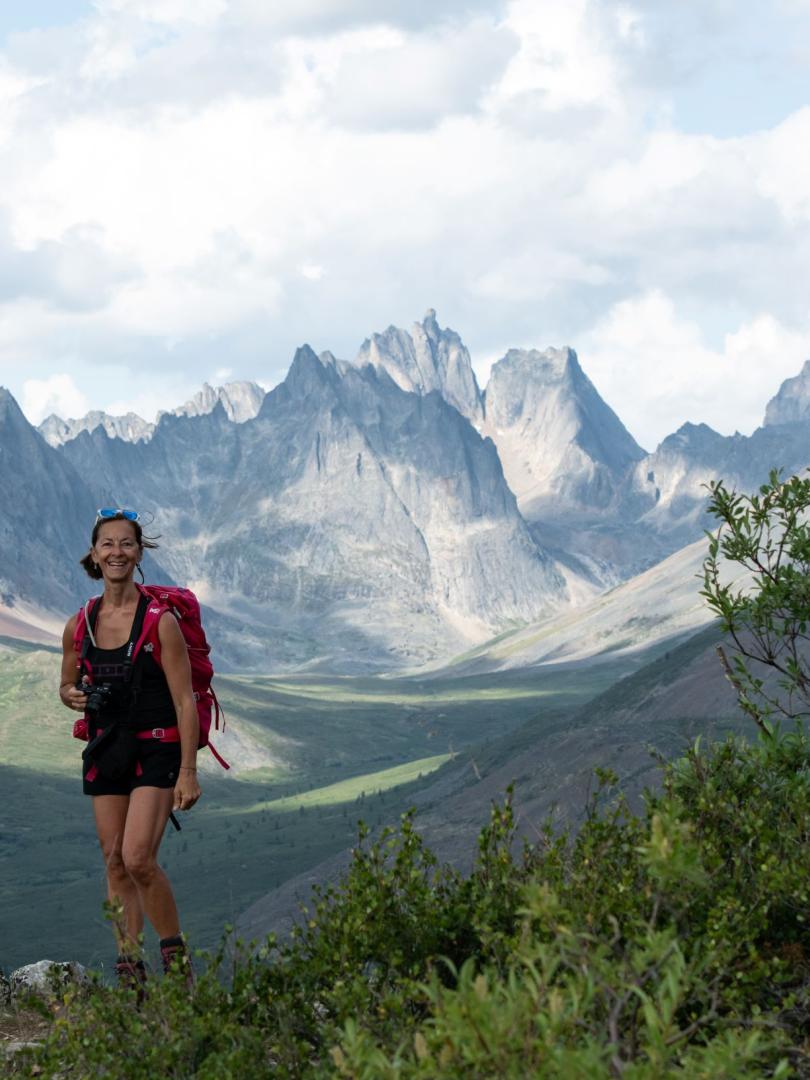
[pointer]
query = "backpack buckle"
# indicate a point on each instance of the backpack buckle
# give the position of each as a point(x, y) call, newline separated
point(158, 732)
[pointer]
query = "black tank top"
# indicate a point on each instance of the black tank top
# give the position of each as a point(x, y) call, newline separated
point(153, 705)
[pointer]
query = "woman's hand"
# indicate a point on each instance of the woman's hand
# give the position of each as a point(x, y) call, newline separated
point(186, 790)
point(73, 697)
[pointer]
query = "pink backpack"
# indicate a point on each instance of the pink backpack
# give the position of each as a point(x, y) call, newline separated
point(186, 608)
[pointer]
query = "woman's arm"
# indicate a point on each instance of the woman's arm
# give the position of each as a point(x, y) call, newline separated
point(176, 668)
point(70, 696)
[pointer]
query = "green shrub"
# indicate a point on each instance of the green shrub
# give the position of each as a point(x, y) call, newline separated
point(672, 942)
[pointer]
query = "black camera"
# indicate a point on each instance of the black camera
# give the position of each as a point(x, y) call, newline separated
point(98, 695)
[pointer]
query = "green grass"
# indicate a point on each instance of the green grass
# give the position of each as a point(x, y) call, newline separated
point(357, 787)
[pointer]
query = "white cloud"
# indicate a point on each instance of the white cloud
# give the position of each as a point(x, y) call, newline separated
point(647, 362)
point(311, 271)
point(782, 163)
point(56, 394)
point(383, 79)
point(319, 16)
point(563, 54)
point(168, 12)
point(176, 178)
point(146, 398)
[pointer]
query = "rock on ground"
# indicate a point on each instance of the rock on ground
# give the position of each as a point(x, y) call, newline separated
point(46, 977)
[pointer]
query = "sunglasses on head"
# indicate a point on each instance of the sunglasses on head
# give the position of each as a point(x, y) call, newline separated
point(105, 512)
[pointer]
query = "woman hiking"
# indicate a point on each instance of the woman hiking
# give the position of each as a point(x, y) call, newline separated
point(141, 722)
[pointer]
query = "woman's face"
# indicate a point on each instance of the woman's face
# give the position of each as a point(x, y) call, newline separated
point(116, 551)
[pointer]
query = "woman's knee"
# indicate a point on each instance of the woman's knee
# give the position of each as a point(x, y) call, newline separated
point(140, 864)
point(113, 861)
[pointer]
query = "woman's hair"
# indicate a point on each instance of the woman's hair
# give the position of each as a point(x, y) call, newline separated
point(142, 541)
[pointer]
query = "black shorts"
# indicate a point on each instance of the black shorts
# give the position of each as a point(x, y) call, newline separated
point(160, 765)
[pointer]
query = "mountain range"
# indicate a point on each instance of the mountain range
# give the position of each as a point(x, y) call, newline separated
point(240, 400)
point(381, 513)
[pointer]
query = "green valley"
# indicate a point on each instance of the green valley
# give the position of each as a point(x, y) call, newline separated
point(311, 756)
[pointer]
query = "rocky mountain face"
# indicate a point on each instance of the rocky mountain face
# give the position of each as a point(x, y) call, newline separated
point(386, 512)
point(792, 403)
point(667, 492)
point(241, 401)
point(560, 445)
point(350, 521)
point(427, 359)
point(564, 452)
point(602, 507)
point(562, 448)
point(130, 427)
point(46, 512)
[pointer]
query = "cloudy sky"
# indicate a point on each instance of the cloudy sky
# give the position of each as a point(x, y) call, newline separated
point(191, 188)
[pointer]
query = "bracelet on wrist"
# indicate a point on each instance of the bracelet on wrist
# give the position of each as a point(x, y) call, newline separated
point(189, 768)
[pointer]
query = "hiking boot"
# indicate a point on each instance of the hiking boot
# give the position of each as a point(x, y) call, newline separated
point(175, 956)
point(131, 975)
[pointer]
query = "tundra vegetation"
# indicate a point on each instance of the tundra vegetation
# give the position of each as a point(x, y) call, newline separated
point(668, 940)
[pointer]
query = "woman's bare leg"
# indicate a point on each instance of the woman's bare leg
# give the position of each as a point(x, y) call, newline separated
point(110, 812)
point(148, 812)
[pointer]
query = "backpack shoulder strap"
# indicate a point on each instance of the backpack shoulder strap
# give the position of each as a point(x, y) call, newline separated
point(149, 640)
point(83, 636)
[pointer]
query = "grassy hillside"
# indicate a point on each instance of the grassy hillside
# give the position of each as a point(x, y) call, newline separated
point(311, 756)
point(661, 605)
point(550, 760)
point(658, 710)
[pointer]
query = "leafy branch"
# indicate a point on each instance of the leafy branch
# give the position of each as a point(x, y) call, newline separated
point(766, 614)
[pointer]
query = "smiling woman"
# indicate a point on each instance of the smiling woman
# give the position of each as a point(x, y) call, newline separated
point(141, 727)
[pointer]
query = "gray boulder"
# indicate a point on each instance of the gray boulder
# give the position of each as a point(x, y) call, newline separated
point(5, 990)
point(47, 977)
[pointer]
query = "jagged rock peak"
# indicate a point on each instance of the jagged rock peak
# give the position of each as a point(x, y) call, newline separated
point(130, 427)
point(521, 368)
point(558, 440)
point(241, 401)
point(426, 359)
point(791, 403)
point(309, 372)
point(694, 436)
point(8, 404)
point(549, 392)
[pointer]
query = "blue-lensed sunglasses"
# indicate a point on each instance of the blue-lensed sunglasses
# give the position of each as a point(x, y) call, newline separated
point(104, 512)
